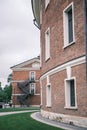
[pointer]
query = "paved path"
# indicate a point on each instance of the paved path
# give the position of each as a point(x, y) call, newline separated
point(37, 116)
point(8, 113)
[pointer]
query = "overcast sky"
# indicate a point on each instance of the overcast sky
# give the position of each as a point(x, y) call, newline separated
point(19, 38)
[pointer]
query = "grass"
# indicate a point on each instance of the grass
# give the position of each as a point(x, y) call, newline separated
point(19, 109)
point(23, 121)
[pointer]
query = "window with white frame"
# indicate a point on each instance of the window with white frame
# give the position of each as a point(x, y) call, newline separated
point(68, 19)
point(32, 76)
point(70, 93)
point(32, 88)
point(47, 3)
point(47, 44)
point(48, 95)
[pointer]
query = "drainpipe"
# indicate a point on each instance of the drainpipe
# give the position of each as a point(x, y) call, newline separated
point(85, 27)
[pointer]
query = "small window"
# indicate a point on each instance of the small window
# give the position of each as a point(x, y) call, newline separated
point(70, 26)
point(68, 19)
point(47, 44)
point(48, 96)
point(32, 89)
point(47, 3)
point(32, 76)
point(70, 98)
point(72, 93)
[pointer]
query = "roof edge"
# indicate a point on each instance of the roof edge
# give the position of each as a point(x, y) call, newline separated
point(36, 4)
point(26, 62)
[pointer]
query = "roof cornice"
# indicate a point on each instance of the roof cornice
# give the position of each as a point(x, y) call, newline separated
point(36, 4)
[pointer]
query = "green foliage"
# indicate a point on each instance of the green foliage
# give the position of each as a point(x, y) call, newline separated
point(0, 84)
point(9, 78)
point(5, 94)
point(8, 92)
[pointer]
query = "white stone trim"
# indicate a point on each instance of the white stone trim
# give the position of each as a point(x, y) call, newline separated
point(68, 70)
point(25, 69)
point(47, 44)
point(75, 120)
point(72, 63)
point(25, 63)
point(41, 91)
point(37, 94)
point(48, 95)
point(47, 3)
point(17, 81)
point(17, 94)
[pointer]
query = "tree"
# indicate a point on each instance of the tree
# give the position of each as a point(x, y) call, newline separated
point(5, 94)
point(8, 92)
point(9, 78)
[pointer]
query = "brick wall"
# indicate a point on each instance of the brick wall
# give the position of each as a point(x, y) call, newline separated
point(21, 76)
point(58, 92)
point(53, 17)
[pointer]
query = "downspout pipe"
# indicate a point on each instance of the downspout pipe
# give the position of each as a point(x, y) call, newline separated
point(85, 27)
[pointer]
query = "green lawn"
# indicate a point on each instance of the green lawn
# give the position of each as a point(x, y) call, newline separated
point(22, 121)
point(19, 109)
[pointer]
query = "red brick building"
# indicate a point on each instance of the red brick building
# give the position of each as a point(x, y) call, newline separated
point(25, 83)
point(63, 28)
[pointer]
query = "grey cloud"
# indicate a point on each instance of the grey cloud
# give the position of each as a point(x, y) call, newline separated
point(19, 38)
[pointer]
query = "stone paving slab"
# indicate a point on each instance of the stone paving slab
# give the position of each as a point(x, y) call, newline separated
point(37, 116)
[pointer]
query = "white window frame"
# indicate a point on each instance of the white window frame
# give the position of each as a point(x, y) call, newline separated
point(30, 75)
point(47, 3)
point(47, 44)
point(48, 95)
point(41, 92)
point(65, 25)
point(31, 86)
point(67, 94)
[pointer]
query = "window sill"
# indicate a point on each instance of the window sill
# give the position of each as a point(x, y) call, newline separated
point(46, 7)
point(47, 59)
point(49, 106)
point(71, 108)
point(69, 44)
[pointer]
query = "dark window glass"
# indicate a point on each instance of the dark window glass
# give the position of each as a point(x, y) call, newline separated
point(72, 93)
point(70, 26)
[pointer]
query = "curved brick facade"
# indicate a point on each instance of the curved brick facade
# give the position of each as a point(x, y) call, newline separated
point(59, 70)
